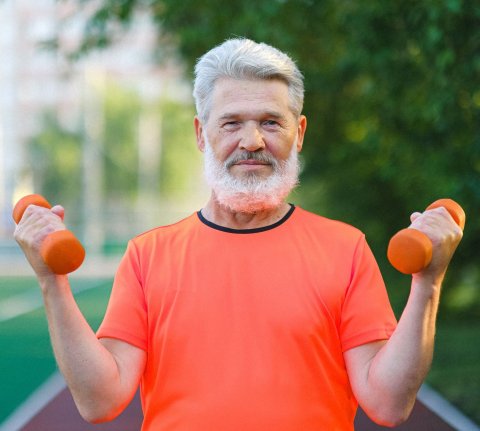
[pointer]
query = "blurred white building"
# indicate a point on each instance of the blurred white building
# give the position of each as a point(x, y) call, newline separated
point(33, 79)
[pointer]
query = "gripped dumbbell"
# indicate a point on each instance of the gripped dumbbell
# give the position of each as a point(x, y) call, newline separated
point(61, 250)
point(410, 251)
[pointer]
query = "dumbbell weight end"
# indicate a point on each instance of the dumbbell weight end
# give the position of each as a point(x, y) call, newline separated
point(61, 250)
point(409, 251)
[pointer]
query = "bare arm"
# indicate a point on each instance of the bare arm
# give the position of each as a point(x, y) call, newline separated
point(386, 375)
point(102, 375)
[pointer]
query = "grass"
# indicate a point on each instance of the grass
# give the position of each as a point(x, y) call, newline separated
point(455, 370)
point(26, 358)
point(10, 286)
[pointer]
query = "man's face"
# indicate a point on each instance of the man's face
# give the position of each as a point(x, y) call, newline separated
point(251, 140)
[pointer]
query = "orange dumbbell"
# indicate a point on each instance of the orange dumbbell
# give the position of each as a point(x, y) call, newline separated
point(61, 250)
point(410, 250)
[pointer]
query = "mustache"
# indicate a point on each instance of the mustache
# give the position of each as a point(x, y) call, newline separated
point(247, 155)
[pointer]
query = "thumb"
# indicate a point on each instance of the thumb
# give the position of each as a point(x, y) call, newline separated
point(59, 211)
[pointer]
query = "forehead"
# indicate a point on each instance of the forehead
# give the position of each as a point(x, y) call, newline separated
point(238, 96)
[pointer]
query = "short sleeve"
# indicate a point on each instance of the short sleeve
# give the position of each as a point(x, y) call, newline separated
point(366, 311)
point(126, 315)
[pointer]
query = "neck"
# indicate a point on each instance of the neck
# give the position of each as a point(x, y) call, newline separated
point(218, 214)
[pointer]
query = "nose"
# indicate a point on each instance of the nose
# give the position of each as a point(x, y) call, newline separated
point(252, 138)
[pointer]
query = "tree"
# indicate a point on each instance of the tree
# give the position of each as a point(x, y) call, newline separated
point(393, 101)
point(55, 161)
point(392, 94)
point(126, 189)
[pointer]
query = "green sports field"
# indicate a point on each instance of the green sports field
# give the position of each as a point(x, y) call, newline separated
point(26, 359)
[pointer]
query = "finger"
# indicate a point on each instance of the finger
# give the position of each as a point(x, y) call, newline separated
point(59, 211)
point(414, 216)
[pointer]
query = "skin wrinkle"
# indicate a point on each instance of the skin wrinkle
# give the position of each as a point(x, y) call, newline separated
point(251, 124)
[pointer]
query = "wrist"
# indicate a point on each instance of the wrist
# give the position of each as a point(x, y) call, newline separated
point(52, 283)
point(427, 286)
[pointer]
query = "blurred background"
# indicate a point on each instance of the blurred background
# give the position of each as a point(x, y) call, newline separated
point(96, 114)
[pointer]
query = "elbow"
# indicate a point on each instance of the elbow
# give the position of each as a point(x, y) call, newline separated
point(98, 406)
point(96, 414)
point(390, 421)
point(390, 417)
point(94, 417)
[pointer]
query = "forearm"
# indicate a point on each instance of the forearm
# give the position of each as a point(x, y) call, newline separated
point(102, 375)
point(400, 367)
point(386, 375)
point(89, 369)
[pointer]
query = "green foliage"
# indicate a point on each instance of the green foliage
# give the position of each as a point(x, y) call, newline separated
point(456, 370)
point(179, 157)
point(126, 185)
point(392, 97)
point(56, 162)
point(121, 109)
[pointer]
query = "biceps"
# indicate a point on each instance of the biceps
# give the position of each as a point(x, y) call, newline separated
point(130, 362)
point(358, 361)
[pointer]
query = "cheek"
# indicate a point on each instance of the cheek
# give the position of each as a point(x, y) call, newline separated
point(225, 145)
point(219, 152)
point(281, 150)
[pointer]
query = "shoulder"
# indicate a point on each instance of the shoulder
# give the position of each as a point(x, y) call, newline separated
point(327, 227)
point(177, 230)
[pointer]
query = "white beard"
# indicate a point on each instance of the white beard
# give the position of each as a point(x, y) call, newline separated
point(251, 193)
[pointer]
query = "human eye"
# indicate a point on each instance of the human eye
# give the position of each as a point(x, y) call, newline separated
point(270, 124)
point(230, 125)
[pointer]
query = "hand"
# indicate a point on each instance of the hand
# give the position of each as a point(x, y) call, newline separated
point(37, 222)
point(445, 236)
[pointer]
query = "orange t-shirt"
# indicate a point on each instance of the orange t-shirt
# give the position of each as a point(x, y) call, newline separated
point(245, 330)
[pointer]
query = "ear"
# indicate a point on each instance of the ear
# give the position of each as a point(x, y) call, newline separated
point(302, 127)
point(199, 133)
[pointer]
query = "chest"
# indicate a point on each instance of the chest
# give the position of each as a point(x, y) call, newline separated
point(245, 289)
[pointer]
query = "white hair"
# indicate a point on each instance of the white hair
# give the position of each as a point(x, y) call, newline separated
point(251, 194)
point(245, 59)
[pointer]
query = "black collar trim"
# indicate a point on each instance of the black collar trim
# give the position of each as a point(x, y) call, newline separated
point(245, 231)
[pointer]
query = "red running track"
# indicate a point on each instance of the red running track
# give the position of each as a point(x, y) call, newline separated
point(61, 414)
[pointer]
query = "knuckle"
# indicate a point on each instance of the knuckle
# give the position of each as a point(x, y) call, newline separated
point(458, 233)
point(46, 230)
point(17, 234)
point(31, 209)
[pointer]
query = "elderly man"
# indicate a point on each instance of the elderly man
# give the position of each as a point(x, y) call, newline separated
point(252, 314)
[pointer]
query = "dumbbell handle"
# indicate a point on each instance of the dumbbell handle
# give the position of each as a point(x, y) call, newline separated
point(61, 250)
point(410, 250)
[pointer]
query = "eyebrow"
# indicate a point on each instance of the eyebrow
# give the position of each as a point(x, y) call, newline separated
point(270, 114)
